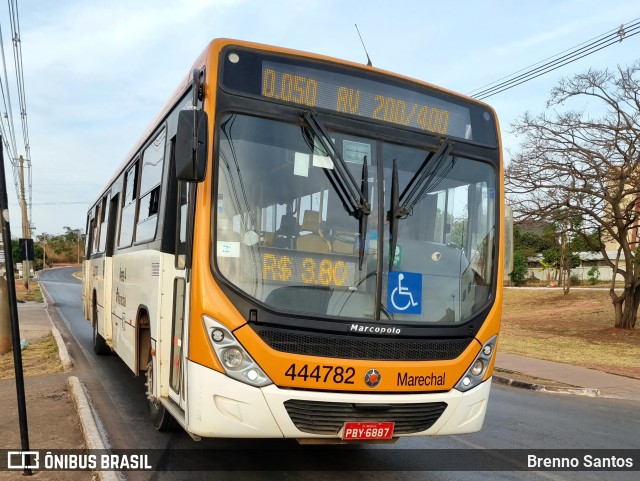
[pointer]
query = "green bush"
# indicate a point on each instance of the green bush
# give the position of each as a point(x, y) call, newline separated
point(593, 275)
point(519, 273)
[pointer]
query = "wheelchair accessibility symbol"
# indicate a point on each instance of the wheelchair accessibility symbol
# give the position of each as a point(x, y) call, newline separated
point(404, 292)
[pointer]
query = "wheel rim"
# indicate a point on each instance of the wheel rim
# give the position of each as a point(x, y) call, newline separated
point(154, 406)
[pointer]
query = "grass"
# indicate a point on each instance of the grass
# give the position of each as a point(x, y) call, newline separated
point(41, 357)
point(574, 329)
point(34, 294)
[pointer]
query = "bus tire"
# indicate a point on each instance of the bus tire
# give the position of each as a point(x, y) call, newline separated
point(160, 417)
point(100, 346)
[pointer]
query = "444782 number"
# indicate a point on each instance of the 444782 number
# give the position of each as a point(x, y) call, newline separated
point(336, 374)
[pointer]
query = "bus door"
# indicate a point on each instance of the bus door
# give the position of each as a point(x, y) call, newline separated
point(181, 289)
point(111, 219)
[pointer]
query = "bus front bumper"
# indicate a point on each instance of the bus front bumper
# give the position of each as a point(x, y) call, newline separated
point(219, 406)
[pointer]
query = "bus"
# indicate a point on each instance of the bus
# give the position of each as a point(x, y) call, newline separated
point(304, 247)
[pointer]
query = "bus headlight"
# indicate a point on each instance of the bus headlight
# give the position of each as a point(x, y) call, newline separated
point(237, 362)
point(478, 368)
point(232, 357)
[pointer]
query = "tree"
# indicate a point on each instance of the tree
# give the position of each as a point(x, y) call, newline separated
point(75, 237)
point(584, 164)
point(519, 272)
point(529, 243)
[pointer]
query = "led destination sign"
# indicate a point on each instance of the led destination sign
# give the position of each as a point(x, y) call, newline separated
point(364, 93)
point(364, 98)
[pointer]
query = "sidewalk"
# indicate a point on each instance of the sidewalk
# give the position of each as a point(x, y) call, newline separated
point(52, 412)
point(607, 385)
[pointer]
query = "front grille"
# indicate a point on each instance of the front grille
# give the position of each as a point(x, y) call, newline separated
point(355, 347)
point(328, 418)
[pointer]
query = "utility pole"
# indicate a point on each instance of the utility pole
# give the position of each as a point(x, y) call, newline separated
point(13, 316)
point(26, 231)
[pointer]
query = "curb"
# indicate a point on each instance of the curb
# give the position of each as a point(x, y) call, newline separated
point(579, 391)
point(88, 419)
point(65, 359)
point(92, 436)
point(91, 433)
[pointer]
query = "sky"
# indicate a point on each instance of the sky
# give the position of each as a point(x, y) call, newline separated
point(96, 73)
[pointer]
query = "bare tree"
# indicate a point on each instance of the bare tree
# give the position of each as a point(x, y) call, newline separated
point(584, 164)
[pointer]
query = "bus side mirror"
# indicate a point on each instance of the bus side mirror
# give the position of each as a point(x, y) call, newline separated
point(191, 145)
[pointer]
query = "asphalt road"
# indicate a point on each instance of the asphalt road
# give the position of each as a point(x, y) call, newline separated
point(516, 419)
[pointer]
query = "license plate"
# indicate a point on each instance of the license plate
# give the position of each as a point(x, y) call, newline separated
point(367, 430)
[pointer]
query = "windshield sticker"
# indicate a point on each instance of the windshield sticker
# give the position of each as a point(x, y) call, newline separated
point(228, 249)
point(404, 292)
point(301, 164)
point(250, 238)
point(323, 161)
point(320, 159)
point(355, 152)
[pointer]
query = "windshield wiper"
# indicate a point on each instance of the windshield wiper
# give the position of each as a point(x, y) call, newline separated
point(421, 181)
point(364, 189)
point(393, 215)
point(353, 197)
point(414, 192)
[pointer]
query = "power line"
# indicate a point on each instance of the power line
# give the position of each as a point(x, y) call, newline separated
point(7, 125)
point(549, 58)
point(559, 60)
point(8, 110)
point(8, 134)
point(17, 58)
point(87, 202)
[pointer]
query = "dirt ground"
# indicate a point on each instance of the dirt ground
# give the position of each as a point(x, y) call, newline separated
point(51, 414)
point(575, 329)
point(52, 420)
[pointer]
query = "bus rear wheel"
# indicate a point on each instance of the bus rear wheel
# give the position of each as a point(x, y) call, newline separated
point(160, 417)
point(100, 346)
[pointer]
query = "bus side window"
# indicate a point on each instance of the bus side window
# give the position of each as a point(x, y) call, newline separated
point(152, 166)
point(104, 213)
point(112, 221)
point(127, 219)
point(96, 229)
point(89, 237)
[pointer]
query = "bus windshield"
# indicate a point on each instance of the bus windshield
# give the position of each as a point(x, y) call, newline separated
point(285, 236)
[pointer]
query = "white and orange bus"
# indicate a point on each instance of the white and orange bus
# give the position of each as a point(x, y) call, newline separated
point(241, 254)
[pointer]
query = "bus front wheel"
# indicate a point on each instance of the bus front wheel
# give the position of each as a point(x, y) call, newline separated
point(160, 417)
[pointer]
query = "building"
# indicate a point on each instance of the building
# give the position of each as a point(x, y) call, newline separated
point(588, 260)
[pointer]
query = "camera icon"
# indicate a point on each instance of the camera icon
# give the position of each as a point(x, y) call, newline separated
point(23, 459)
